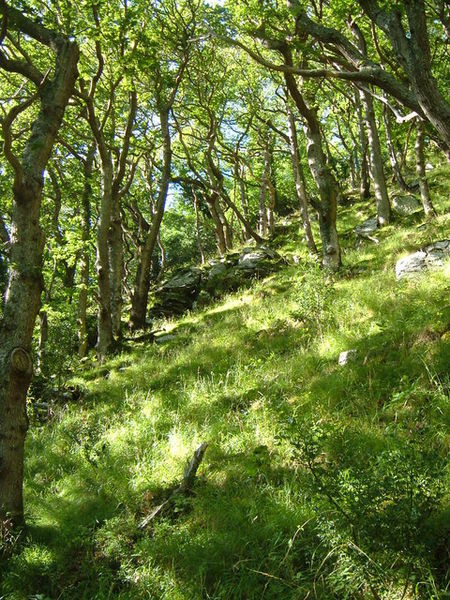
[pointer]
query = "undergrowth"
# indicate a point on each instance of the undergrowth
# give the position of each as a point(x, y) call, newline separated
point(320, 481)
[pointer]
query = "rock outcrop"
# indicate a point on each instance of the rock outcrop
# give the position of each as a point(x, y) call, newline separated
point(432, 255)
point(193, 287)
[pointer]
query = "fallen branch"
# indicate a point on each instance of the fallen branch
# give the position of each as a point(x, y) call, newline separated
point(185, 486)
point(146, 337)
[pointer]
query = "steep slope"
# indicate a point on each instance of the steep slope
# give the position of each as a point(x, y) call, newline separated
point(320, 480)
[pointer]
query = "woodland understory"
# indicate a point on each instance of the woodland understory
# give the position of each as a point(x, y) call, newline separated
point(146, 141)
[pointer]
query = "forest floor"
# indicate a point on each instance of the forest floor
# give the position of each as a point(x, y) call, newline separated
point(320, 480)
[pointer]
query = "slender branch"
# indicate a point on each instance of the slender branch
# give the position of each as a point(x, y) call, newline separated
point(6, 124)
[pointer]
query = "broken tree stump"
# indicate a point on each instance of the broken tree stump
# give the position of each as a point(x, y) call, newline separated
point(185, 486)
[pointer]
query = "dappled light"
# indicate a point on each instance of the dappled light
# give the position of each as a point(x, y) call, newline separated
point(224, 300)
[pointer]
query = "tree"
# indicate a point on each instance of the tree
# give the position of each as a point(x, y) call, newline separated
point(27, 239)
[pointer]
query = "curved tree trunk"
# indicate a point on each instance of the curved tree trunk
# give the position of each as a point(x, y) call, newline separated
point(27, 243)
point(412, 50)
point(218, 229)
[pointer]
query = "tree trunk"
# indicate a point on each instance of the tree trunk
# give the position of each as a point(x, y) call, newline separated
point(85, 254)
point(413, 53)
point(226, 229)
point(376, 162)
point(197, 230)
point(364, 184)
point(321, 172)
point(218, 229)
point(21, 309)
point(421, 172)
point(105, 340)
point(328, 192)
point(376, 159)
point(239, 174)
point(142, 284)
point(241, 218)
point(262, 226)
point(271, 208)
point(398, 177)
point(300, 182)
point(115, 246)
point(25, 274)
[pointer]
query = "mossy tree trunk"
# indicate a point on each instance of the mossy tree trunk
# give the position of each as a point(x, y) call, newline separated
point(85, 254)
point(27, 242)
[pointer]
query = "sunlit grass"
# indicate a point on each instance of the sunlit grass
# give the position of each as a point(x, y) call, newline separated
point(240, 375)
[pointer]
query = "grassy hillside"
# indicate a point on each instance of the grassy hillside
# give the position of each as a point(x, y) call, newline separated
point(320, 480)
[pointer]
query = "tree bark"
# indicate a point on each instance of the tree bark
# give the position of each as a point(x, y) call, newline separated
point(300, 182)
point(27, 243)
point(197, 229)
point(412, 50)
point(262, 223)
point(85, 255)
point(105, 339)
point(321, 172)
point(364, 185)
point(376, 162)
point(142, 284)
point(376, 159)
point(398, 177)
point(421, 172)
point(212, 202)
point(115, 246)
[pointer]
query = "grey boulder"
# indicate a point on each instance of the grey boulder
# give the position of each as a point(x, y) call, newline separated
point(432, 255)
point(406, 205)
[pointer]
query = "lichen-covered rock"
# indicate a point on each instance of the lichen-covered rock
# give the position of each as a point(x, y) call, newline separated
point(367, 227)
point(260, 261)
point(406, 205)
point(432, 255)
point(177, 294)
point(194, 287)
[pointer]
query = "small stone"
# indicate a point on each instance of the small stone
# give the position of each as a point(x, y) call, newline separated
point(347, 356)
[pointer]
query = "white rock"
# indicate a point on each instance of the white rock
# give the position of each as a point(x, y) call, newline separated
point(347, 356)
